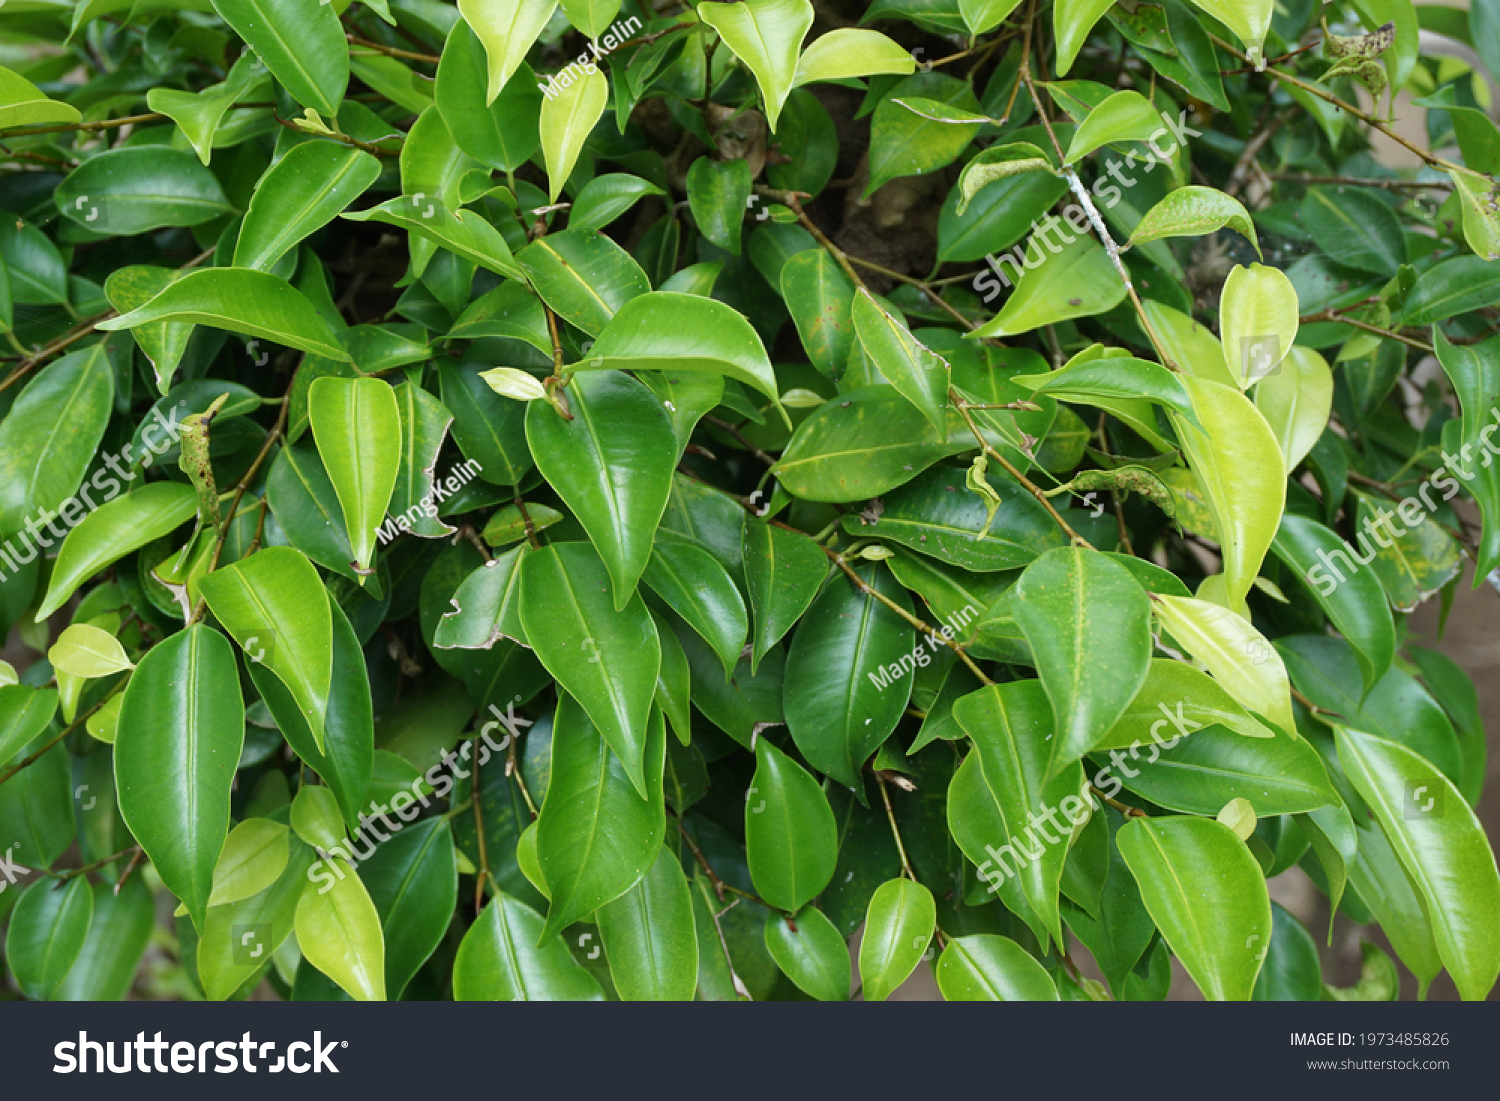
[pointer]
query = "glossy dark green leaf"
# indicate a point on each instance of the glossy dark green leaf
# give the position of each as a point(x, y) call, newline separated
point(612, 464)
point(502, 132)
point(791, 841)
point(424, 424)
point(1348, 592)
point(597, 835)
point(1452, 287)
point(275, 606)
point(48, 929)
point(849, 674)
point(699, 589)
point(650, 938)
point(1355, 227)
point(488, 429)
point(298, 195)
point(181, 730)
point(115, 945)
point(303, 47)
point(24, 713)
point(134, 190)
point(584, 276)
point(811, 952)
point(50, 433)
point(413, 881)
point(1291, 972)
point(783, 572)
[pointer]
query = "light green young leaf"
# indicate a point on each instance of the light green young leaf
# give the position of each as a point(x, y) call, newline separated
point(1238, 656)
point(316, 817)
point(1257, 321)
point(567, 119)
point(85, 651)
point(199, 114)
point(766, 35)
point(898, 926)
point(1296, 399)
point(1078, 280)
point(1124, 116)
point(1208, 897)
point(987, 968)
point(999, 162)
point(1194, 211)
point(854, 52)
point(919, 374)
point(23, 104)
point(255, 303)
point(354, 422)
point(1249, 19)
point(339, 933)
point(508, 29)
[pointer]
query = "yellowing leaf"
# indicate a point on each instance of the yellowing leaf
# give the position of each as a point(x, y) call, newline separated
point(1257, 321)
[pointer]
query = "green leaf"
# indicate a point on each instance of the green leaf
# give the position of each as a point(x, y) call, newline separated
point(1215, 766)
point(353, 422)
point(697, 587)
point(134, 190)
point(462, 232)
point(1443, 848)
point(48, 437)
point(1238, 656)
point(1077, 281)
point(650, 938)
point(1072, 20)
point(1474, 371)
point(855, 52)
point(25, 105)
point(718, 194)
point(508, 28)
point(1390, 896)
point(275, 606)
point(605, 198)
point(1355, 227)
point(338, 930)
point(766, 35)
point(116, 943)
point(606, 659)
point(48, 929)
point(910, 138)
point(315, 816)
point(1257, 321)
point(24, 713)
point(1207, 895)
point(1292, 971)
point(181, 729)
point(898, 927)
point(255, 303)
point(811, 952)
point(199, 114)
point(1476, 193)
point(303, 47)
point(584, 276)
point(920, 375)
point(1450, 288)
point(1238, 463)
point(86, 651)
point(1111, 379)
point(1296, 400)
point(502, 131)
point(498, 960)
point(424, 422)
point(489, 429)
point(1421, 558)
point(487, 606)
point(849, 674)
point(611, 464)
point(346, 760)
point(987, 968)
point(1350, 594)
point(669, 331)
point(255, 854)
point(791, 841)
point(164, 342)
point(226, 956)
point(1122, 117)
point(298, 195)
point(413, 882)
point(597, 835)
point(1249, 19)
point(1194, 212)
point(568, 115)
point(1177, 695)
point(999, 162)
point(990, 799)
point(1087, 620)
point(783, 572)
